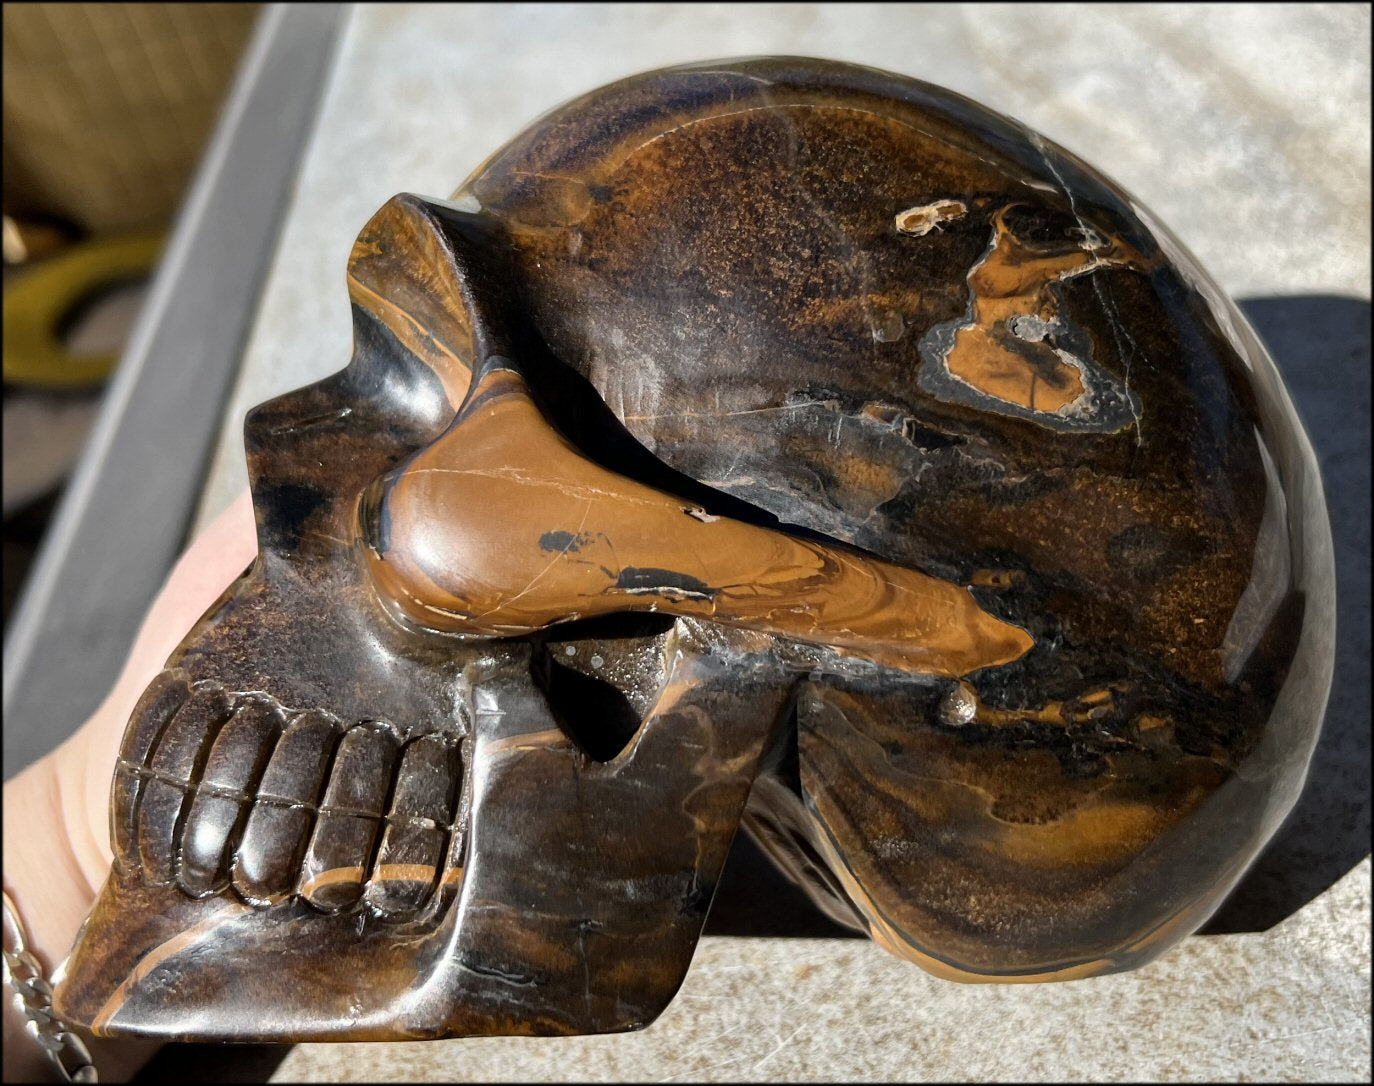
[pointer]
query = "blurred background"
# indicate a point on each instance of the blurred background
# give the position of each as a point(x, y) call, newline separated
point(107, 111)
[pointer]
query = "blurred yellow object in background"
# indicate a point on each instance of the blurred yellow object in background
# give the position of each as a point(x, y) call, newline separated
point(42, 300)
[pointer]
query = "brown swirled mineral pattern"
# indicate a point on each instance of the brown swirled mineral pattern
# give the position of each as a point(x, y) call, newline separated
point(1015, 352)
point(564, 538)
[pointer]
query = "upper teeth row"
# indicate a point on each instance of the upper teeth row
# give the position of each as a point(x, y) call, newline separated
point(216, 789)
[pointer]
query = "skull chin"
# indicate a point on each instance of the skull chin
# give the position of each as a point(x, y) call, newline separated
point(502, 528)
point(573, 893)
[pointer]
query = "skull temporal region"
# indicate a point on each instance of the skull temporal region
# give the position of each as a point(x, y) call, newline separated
point(771, 347)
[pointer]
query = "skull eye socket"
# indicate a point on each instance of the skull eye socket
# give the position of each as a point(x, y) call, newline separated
point(601, 676)
point(576, 409)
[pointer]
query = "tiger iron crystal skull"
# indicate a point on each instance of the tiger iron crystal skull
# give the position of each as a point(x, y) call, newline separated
point(773, 442)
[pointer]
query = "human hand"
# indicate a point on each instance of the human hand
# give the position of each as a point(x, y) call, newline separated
point(56, 826)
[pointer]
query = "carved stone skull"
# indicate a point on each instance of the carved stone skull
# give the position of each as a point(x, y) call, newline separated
point(773, 441)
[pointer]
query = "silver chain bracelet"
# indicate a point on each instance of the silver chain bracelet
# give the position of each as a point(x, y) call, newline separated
point(33, 994)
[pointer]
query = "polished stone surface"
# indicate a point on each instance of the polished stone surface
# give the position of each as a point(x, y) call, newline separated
point(1020, 625)
point(1270, 112)
point(1240, 139)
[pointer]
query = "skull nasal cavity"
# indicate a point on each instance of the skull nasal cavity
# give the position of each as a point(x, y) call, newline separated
point(600, 678)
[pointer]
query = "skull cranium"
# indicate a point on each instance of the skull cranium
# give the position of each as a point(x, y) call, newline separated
point(775, 441)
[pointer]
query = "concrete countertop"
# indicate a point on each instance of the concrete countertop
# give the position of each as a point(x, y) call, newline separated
point(1246, 128)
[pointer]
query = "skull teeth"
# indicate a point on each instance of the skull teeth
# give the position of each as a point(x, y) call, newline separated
point(176, 758)
point(216, 810)
point(269, 855)
point(218, 791)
